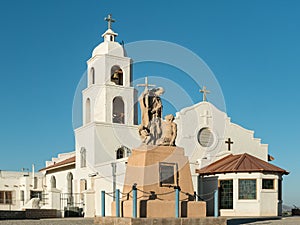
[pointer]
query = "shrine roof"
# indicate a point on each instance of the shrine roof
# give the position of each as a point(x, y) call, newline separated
point(242, 163)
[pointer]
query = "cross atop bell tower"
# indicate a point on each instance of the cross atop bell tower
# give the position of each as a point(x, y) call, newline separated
point(109, 34)
point(109, 96)
point(109, 20)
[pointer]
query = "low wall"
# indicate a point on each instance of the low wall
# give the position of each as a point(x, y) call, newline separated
point(29, 214)
point(160, 221)
point(5, 215)
point(41, 213)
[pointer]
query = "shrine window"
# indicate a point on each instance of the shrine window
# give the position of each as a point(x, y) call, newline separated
point(268, 184)
point(247, 189)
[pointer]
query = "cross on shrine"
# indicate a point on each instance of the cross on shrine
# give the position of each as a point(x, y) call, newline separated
point(109, 20)
point(205, 92)
point(229, 142)
point(206, 116)
point(146, 84)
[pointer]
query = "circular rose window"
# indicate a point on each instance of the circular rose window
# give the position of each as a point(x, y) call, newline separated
point(206, 137)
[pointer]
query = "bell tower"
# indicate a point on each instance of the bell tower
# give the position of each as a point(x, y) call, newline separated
point(109, 96)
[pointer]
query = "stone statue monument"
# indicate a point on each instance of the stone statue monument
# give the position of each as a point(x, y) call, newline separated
point(169, 131)
point(153, 130)
point(158, 166)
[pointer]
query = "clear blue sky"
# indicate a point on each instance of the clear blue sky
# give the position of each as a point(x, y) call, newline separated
point(252, 46)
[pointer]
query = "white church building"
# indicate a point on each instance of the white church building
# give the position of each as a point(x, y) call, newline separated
point(248, 184)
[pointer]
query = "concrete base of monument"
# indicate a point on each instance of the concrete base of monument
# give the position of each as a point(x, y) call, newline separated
point(162, 209)
point(158, 169)
point(160, 221)
point(157, 172)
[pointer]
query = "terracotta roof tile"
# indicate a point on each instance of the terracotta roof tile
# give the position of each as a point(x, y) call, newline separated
point(240, 163)
point(60, 164)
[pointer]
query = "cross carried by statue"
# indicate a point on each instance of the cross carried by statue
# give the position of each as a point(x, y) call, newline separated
point(146, 84)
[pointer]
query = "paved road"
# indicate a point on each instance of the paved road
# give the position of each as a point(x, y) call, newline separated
point(73, 221)
point(283, 221)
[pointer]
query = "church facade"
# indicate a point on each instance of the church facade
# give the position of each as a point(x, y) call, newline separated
point(110, 131)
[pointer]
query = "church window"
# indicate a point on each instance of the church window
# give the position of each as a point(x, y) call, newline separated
point(82, 157)
point(120, 153)
point(5, 197)
point(83, 185)
point(247, 189)
point(118, 110)
point(70, 188)
point(92, 76)
point(267, 184)
point(53, 182)
point(22, 196)
point(70, 182)
point(116, 75)
point(206, 137)
point(88, 111)
point(35, 182)
point(226, 194)
point(128, 152)
point(36, 194)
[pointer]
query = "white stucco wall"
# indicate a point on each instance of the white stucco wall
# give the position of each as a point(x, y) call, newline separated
point(192, 119)
point(17, 182)
point(101, 141)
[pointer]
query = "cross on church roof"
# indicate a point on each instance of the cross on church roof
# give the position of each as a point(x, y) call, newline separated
point(109, 20)
point(206, 116)
point(146, 84)
point(205, 92)
point(229, 142)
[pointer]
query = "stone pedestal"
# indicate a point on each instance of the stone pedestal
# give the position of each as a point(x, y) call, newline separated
point(156, 170)
point(54, 199)
point(89, 200)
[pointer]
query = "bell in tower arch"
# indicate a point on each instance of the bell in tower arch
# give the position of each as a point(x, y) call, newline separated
point(117, 75)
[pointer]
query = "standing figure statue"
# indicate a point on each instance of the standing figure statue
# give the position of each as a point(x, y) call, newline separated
point(153, 130)
point(151, 111)
point(156, 104)
point(169, 131)
point(151, 105)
